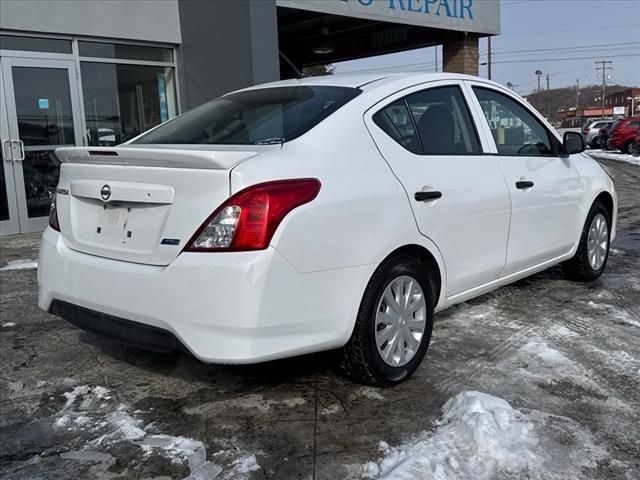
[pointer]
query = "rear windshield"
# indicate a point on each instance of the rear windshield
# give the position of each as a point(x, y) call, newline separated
point(263, 116)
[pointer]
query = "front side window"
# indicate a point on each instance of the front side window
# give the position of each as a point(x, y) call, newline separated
point(436, 122)
point(261, 116)
point(514, 129)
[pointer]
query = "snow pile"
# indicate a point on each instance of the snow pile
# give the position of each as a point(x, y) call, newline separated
point(20, 265)
point(620, 157)
point(481, 437)
point(477, 437)
point(8, 324)
point(90, 409)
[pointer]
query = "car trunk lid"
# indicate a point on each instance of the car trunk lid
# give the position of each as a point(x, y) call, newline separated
point(140, 204)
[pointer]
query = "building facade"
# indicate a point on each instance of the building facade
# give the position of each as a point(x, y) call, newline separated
point(98, 73)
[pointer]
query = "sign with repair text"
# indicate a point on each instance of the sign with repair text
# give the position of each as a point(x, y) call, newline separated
point(479, 16)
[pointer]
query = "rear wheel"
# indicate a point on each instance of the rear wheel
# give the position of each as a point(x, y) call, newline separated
point(593, 251)
point(634, 149)
point(393, 327)
point(625, 147)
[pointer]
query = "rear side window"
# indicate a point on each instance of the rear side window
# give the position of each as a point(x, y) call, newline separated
point(262, 116)
point(514, 129)
point(634, 124)
point(435, 121)
point(396, 121)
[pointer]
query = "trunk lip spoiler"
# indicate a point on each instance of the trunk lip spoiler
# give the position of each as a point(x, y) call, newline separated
point(155, 157)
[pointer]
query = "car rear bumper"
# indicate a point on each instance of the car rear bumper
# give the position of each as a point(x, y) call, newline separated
point(240, 307)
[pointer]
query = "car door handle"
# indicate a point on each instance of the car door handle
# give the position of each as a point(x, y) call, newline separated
point(426, 196)
point(524, 184)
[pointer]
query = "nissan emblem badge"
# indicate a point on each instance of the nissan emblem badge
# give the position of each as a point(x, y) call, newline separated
point(105, 192)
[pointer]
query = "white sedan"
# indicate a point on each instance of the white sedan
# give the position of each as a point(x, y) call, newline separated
point(335, 212)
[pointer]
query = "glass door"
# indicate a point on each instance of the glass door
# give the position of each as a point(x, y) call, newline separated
point(8, 207)
point(43, 111)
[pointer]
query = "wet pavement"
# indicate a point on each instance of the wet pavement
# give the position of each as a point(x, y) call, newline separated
point(74, 405)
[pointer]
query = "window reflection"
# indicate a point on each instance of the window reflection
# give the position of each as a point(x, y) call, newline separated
point(122, 101)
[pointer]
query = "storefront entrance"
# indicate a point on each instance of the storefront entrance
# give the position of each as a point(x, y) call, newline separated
point(70, 91)
point(40, 112)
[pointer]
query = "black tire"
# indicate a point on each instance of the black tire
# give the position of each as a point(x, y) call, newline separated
point(579, 268)
point(634, 149)
point(595, 143)
point(359, 358)
point(625, 147)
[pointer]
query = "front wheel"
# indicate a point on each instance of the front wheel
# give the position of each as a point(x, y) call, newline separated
point(593, 251)
point(634, 149)
point(393, 326)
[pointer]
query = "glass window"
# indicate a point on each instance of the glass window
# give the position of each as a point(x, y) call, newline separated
point(122, 101)
point(443, 122)
point(125, 52)
point(396, 121)
point(514, 129)
point(43, 106)
point(34, 44)
point(264, 115)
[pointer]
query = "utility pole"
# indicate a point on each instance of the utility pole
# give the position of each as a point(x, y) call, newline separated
point(548, 100)
point(489, 57)
point(603, 68)
point(577, 94)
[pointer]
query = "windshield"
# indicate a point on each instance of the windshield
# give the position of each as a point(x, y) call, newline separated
point(263, 116)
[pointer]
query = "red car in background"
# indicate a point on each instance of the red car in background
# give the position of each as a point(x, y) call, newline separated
point(634, 148)
point(623, 133)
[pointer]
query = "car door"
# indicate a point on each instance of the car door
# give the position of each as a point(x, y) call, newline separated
point(457, 194)
point(544, 185)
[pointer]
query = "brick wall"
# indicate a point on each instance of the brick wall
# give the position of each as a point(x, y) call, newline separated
point(460, 54)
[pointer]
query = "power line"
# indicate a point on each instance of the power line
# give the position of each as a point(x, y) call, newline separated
point(576, 47)
point(562, 30)
point(538, 60)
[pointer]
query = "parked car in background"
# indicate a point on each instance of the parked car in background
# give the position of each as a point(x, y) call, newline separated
point(634, 148)
point(623, 133)
point(602, 139)
point(592, 128)
point(336, 212)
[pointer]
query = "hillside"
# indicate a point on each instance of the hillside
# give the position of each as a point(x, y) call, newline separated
point(566, 97)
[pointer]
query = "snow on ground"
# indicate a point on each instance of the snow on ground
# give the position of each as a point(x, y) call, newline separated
point(20, 265)
point(479, 437)
point(620, 157)
point(89, 409)
point(616, 314)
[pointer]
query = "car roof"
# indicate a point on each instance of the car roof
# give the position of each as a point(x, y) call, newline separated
point(365, 80)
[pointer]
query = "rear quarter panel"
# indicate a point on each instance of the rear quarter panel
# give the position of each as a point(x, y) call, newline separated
point(361, 214)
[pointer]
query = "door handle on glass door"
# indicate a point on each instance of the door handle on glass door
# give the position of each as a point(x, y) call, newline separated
point(524, 184)
point(426, 196)
point(20, 144)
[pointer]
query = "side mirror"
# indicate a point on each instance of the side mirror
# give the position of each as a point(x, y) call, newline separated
point(573, 142)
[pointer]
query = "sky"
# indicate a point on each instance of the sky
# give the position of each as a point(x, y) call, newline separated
point(569, 36)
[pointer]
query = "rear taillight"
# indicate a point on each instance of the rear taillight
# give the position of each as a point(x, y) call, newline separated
point(53, 214)
point(248, 220)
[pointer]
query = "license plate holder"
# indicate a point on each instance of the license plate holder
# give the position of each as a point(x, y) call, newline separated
point(112, 222)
